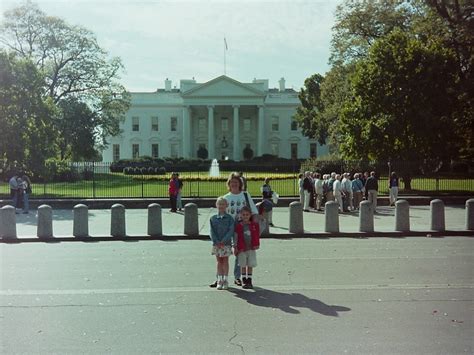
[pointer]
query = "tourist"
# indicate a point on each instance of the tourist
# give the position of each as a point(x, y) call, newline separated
point(337, 191)
point(318, 189)
point(312, 198)
point(236, 200)
point(357, 190)
point(307, 188)
point(14, 190)
point(267, 203)
point(179, 203)
point(393, 187)
point(173, 192)
point(300, 188)
point(26, 190)
point(330, 193)
point(222, 227)
point(325, 188)
point(371, 189)
point(247, 241)
point(365, 177)
point(346, 187)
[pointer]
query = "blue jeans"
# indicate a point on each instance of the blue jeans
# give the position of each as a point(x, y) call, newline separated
point(14, 197)
point(26, 202)
point(179, 204)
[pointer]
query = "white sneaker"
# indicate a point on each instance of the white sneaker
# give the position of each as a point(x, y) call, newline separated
point(220, 285)
point(225, 285)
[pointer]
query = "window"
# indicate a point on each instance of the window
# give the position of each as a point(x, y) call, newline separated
point(225, 124)
point(174, 150)
point(202, 124)
point(174, 124)
point(116, 152)
point(294, 150)
point(154, 124)
point(135, 124)
point(294, 125)
point(275, 149)
point(154, 150)
point(275, 123)
point(313, 150)
point(135, 151)
point(247, 124)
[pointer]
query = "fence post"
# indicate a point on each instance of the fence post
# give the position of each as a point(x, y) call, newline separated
point(45, 222)
point(93, 181)
point(155, 227)
point(143, 177)
point(191, 224)
point(402, 216)
point(470, 214)
point(296, 218)
point(331, 216)
point(437, 215)
point(117, 221)
point(81, 221)
point(7, 222)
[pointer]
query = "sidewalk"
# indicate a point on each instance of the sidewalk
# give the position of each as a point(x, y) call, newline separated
point(173, 223)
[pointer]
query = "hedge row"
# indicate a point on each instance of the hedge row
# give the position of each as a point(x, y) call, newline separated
point(208, 178)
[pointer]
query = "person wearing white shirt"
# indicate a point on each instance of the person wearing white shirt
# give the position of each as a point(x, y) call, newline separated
point(337, 190)
point(347, 191)
point(318, 188)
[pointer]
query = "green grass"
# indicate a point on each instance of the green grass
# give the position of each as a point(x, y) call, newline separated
point(112, 185)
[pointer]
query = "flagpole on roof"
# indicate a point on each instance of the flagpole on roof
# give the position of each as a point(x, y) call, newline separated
point(225, 50)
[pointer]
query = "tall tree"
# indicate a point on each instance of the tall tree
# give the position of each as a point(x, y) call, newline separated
point(73, 64)
point(402, 102)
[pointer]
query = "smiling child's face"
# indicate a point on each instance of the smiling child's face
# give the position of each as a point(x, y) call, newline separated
point(245, 216)
point(221, 207)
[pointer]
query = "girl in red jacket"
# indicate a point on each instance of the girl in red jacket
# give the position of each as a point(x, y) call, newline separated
point(173, 191)
point(246, 242)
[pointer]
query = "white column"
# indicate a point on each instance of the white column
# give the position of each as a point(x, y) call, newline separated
point(261, 131)
point(211, 139)
point(186, 132)
point(236, 154)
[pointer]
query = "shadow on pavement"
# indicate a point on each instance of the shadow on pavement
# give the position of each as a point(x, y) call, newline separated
point(287, 302)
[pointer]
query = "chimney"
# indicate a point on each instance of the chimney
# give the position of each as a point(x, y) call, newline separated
point(167, 85)
point(282, 84)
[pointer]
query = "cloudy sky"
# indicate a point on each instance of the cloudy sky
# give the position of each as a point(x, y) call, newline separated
point(184, 39)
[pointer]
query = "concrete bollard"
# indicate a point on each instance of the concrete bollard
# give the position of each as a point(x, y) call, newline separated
point(191, 224)
point(296, 218)
point(470, 214)
point(7, 222)
point(45, 222)
point(155, 226)
point(402, 216)
point(117, 221)
point(366, 217)
point(81, 221)
point(264, 215)
point(437, 215)
point(331, 216)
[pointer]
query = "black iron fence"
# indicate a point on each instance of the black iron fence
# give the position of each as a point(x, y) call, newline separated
point(104, 180)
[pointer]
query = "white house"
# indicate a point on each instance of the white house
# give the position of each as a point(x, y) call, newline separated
point(223, 115)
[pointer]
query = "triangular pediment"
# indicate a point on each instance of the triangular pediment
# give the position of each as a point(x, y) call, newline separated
point(223, 86)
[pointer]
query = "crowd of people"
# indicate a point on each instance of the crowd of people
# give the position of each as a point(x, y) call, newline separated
point(346, 189)
point(20, 191)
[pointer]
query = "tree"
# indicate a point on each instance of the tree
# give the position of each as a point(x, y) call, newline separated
point(25, 115)
point(74, 67)
point(402, 103)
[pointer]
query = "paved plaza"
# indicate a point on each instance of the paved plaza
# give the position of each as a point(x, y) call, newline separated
point(173, 223)
point(325, 296)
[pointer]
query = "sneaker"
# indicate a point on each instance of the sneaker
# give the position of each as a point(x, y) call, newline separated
point(271, 224)
point(225, 285)
point(244, 282)
point(238, 282)
point(220, 285)
point(213, 285)
point(247, 284)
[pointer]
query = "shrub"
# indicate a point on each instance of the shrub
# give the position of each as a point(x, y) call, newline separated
point(60, 171)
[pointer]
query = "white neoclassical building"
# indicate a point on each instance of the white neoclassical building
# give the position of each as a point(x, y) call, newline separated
point(223, 115)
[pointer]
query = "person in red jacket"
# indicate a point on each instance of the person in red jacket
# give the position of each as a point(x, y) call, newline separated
point(173, 191)
point(246, 242)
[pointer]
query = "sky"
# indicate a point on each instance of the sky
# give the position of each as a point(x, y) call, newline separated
point(185, 39)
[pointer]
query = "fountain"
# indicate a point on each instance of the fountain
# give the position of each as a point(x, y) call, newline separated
point(214, 170)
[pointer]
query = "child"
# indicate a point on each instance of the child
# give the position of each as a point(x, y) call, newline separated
point(173, 192)
point(246, 243)
point(221, 233)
